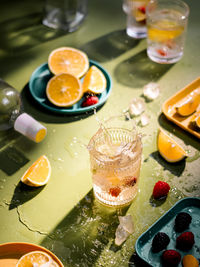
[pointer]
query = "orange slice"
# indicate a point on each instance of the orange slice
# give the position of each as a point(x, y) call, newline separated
point(190, 261)
point(35, 258)
point(189, 103)
point(68, 60)
point(38, 173)
point(94, 81)
point(195, 120)
point(64, 90)
point(168, 148)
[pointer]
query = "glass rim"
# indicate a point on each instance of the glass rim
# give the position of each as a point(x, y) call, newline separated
point(181, 2)
point(97, 154)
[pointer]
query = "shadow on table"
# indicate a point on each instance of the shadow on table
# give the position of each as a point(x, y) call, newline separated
point(176, 169)
point(21, 33)
point(41, 114)
point(139, 70)
point(136, 261)
point(81, 236)
point(188, 138)
point(109, 46)
point(22, 194)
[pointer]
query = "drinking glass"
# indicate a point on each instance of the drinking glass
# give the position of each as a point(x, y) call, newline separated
point(136, 17)
point(166, 30)
point(64, 14)
point(115, 158)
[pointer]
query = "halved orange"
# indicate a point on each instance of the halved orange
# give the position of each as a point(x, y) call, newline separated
point(64, 90)
point(94, 81)
point(168, 148)
point(35, 258)
point(38, 173)
point(195, 120)
point(68, 60)
point(189, 103)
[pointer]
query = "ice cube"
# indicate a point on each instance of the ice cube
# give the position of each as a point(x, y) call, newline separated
point(127, 223)
point(144, 119)
point(151, 91)
point(136, 107)
point(120, 235)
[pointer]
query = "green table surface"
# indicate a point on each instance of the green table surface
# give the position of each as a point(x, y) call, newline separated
point(63, 216)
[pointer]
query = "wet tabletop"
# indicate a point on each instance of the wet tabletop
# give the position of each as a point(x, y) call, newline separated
point(63, 216)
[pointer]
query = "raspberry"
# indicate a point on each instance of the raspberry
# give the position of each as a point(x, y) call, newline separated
point(171, 257)
point(131, 181)
point(185, 241)
point(114, 191)
point(142, 9)
point(89, 101)
point(161, 52)
point(160, 242)
point(182, 221)
point(161, 189)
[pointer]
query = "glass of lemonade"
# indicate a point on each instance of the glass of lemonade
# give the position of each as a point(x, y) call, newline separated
point(115, 157)
point(136, 17)
point(166, 30)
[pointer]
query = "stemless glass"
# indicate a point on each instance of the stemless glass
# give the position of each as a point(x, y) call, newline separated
point(64, 14)
point(115, 157)
point(166, 30)
point(136, 17)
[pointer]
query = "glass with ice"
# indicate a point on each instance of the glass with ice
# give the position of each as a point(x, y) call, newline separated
point(115, 157)
point(166, 30)
point(136, 17)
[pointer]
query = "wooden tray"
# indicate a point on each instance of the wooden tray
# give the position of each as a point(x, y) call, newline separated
point(169, 110)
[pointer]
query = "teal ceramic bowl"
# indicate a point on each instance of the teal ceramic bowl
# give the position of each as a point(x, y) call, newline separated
point(166, 224)
point(38, 83)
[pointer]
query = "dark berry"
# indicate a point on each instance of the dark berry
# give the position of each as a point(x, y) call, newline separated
point(160, 242)
point(182, 221)
point(171, 258)
point(160, 189)
point(115, 191)
point(185, 241)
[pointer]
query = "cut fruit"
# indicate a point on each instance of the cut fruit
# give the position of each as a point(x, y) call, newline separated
point(189, 104)
point(64, 90)
point(168, 148)
point(35, 258)
point(38, 173)
point(190, 261)
point(94, 81)
point(68, 60)
point(195, 120)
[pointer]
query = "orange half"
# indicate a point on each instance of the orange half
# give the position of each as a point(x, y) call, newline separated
point(35, 258)
point(94, 81)
point(168, 148)
point(38, 173)
point(64, 90)
point(68, 60)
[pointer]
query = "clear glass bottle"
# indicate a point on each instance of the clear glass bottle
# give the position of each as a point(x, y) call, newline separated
point(12, 115)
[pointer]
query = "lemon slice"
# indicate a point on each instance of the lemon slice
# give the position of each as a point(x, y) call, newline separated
point(35, 258)
point(168, 148)
point(94, 81)
point(68, 60)
point(38, 173)
point(64, 90)
point(189, 104)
